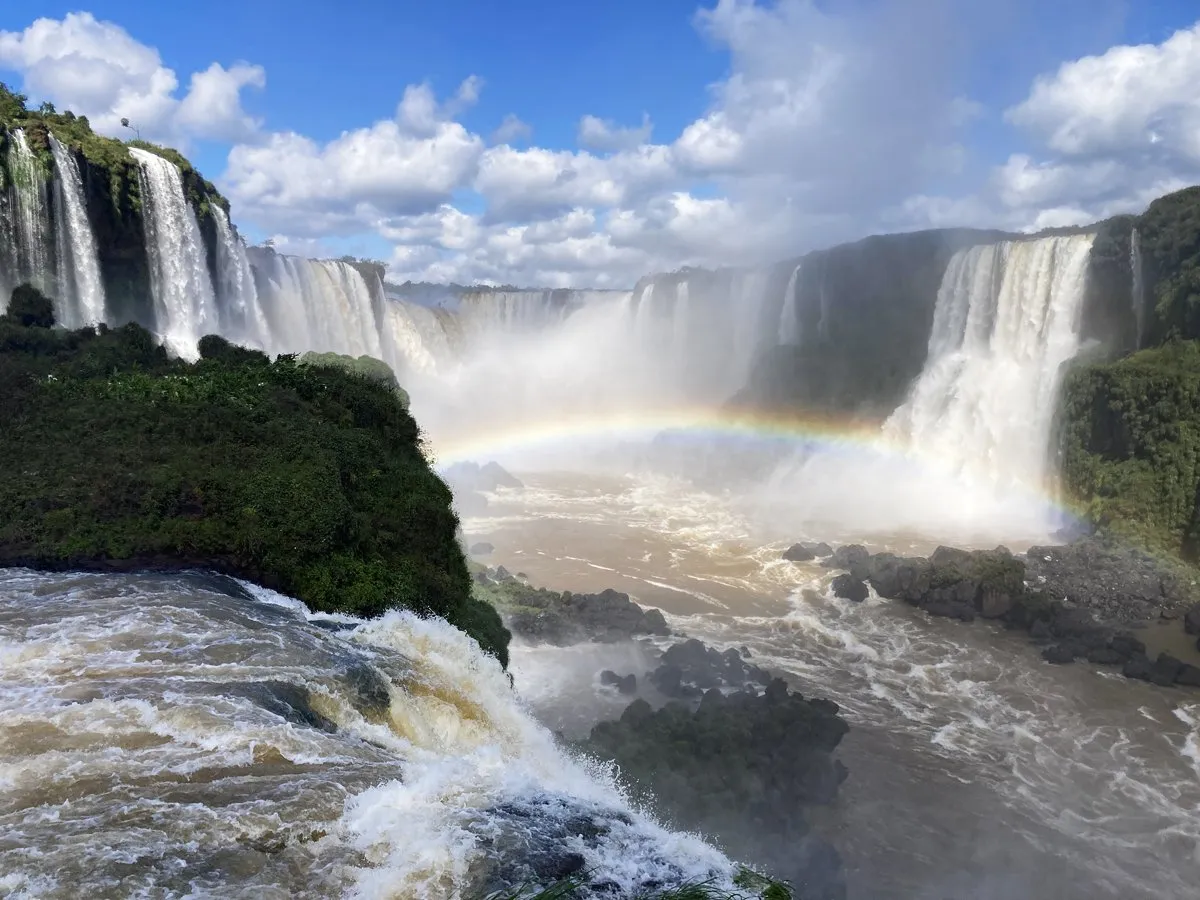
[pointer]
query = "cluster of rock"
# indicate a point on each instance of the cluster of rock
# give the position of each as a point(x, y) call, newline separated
point(1080, 605)
point(690, 668)
point(742, 767)
point(564, 618)
point(470, 481)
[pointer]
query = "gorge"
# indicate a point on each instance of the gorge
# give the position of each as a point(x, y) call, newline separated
point(962, 387)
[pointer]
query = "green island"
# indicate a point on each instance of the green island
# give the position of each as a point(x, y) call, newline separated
point(308, 478)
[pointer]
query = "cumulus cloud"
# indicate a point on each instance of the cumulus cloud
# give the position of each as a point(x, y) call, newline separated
point(603, 135)
point(510, 130)
point(1111, 132)
point(97, 69)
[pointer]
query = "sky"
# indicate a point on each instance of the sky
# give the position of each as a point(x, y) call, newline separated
point(553, 144)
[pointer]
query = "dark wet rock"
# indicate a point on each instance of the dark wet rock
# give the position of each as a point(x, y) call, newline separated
point(1105, 656)
point(995, 604)
point(626, 684)
point(369, 690)
point(745, 651)
point(1060, 654)
point(1165, 670)
point(1188, 676)
point(850, 588)
point(743, 769)
point(564, 618)
point(853, 558)
point(1040, 631)
point(807, 552)
point(483, 548)
point(1139, 667)
point(897, 578)
point(950, 609)
point(1191, 620)
point(799, 553)
point(1127, 645)
point(1119, 583)
point(689, 668)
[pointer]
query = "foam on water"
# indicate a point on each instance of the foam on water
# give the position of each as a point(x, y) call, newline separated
point(179, 736)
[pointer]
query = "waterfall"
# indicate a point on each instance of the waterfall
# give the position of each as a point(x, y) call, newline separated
point(824, 297)
point(80, 287)
point(749, 297)
point(1007, 317)
point(184, 302)
point(317, 304)
point(1139, 286)
point(238, 310)
point(32, 259)
point(680, 324)
point(424, 339)
point(490, 311)
point(789, 316)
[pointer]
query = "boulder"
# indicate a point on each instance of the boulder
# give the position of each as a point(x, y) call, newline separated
point(689, 668)
point(854, 558)
point(850, 588)
point(1138, 667)
point(1165, 670)
point(798, 553)
point(566, 618)
point(1188, 676)
point(1191, 619)
point(626, 684)
point(1059, 654)
point(483, 548)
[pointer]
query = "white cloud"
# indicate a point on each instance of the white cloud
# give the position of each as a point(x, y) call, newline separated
point(603, 135)
point(97, 69)
point(510, 130)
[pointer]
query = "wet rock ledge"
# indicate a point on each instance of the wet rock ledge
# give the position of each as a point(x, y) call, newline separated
point(1083, 600)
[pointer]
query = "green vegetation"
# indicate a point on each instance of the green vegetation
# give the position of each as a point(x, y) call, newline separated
point(367, 366)
point(1131, 444)
point(1170, 238)
point(308, 479)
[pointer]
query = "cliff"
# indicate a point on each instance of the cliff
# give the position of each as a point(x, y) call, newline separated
point(308, 479)
point(112, 192)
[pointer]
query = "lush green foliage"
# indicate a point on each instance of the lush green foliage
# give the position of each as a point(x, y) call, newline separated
point(367, 366)
point(1170, 239)
point(1131, 443)
point(308, 479)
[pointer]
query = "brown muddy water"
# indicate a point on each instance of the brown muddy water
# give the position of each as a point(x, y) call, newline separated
point(976, 769)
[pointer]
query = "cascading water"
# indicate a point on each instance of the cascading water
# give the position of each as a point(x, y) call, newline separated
point(749, 295)
point(680, 323)
point(225, 742)
point(28, 199)
point(789, 315)
point(1006, 320)
point(1138, 288)
point(80, 286)
point(184, 301)
point(239, 312)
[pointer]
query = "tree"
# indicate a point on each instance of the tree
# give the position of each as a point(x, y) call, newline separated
point(47, 108)
point(30, 307)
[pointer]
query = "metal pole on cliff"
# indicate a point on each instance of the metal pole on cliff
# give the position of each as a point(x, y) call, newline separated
point(125, 124)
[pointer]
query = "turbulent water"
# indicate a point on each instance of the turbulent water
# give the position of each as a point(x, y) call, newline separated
point(185, 304)
point(80, 287)
point(1007, 318)
point(171, 736)
point(976, 769)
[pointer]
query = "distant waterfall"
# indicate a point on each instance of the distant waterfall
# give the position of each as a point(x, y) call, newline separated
point(1138, 290)
point(238, 309)
point(680, 323)
point(748, 298)
point(317, 304)
point(80, 287)
point(789, 315)
point(31, 258)
point(1006, 319)
point(184, 301)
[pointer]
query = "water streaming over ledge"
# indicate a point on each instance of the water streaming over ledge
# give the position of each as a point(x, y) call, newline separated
point(80, 287)
point(181, 735)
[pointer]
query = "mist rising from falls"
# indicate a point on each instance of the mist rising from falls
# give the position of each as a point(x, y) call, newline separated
point(185, 305)
point(80, 287)
point(1007, 319)
point(30, 258)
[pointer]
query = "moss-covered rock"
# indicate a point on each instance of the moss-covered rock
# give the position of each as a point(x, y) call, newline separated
point(307, 479)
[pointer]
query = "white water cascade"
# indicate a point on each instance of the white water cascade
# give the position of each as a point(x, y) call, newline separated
point(80, 287)
point(240, 313)
point(789, 315)
point(749, 294)
point(30, 219)
point(1139, 286)
point(184, 301)
point(680, 322)
point(323, 305)
point(1006, 319)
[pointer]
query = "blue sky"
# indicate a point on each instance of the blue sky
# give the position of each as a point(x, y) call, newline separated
point(776, 126)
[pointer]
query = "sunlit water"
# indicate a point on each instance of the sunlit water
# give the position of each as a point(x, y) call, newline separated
point(977, 770)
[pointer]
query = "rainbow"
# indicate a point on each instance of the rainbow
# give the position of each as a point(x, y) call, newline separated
point(839, 434)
